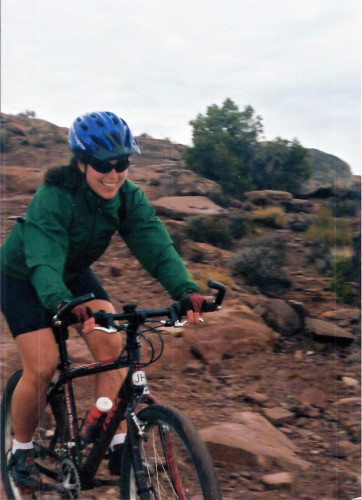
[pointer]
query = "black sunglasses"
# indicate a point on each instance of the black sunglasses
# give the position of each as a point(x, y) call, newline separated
point(104, 167)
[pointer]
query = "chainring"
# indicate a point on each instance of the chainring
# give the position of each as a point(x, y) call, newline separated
point(68, 478)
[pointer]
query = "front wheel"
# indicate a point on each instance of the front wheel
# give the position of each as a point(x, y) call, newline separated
point(175, 462)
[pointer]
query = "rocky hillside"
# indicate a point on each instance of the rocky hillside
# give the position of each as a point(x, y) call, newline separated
point(273, 380)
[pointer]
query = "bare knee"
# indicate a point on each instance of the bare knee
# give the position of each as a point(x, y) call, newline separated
point(39, 356)
point(40, 375)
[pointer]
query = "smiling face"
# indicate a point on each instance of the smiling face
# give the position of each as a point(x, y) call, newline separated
point(105, 185)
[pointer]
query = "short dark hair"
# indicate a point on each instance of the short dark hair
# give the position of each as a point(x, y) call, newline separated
point(68, 176)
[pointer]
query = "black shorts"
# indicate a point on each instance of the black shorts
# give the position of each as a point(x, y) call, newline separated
point(23, 310)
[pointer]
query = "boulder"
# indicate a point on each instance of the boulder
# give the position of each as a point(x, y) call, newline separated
point(279, 416)
point(251, 441)
point(182, 182)
point(269, 197)
point(350, 382)
point(297, 205)
point(351, 315)
point(242, 332)
point(279, 480)
point(183, 206)
point(298, 222)
point(329, 173)
point(279, 315)
point(324, 331)
point(344, 449)
point(313, 396)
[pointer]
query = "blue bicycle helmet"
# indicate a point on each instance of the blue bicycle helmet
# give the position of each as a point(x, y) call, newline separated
point(101, 135)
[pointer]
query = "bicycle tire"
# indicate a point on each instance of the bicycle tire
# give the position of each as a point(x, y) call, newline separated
point(52, 429)
point(189, 465)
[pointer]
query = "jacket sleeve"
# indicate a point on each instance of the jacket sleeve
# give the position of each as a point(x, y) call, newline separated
point(46, 244)
point(148, 240)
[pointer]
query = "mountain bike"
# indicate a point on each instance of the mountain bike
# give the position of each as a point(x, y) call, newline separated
point(163, 456)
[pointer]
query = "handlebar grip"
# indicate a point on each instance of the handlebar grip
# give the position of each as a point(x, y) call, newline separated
point(65, 312)
point(216, 304)
point(209, 306)
point(221, 289)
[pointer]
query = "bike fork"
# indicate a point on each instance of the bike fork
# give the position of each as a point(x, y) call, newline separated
point(136, 437)
point(135, 433)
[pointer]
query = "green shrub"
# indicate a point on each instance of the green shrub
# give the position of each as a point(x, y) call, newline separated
point(346, 208)
point(197, 256)
point(239, 226)
point(329, 231)
point(273, 217)
point(221, 199)
point(260, 263)
point(60, 139)
point(210, 229)
point(35, 130)
point(340, 271)
point(5, 143)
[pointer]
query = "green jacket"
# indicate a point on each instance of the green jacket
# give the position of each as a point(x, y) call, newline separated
point(65, 232)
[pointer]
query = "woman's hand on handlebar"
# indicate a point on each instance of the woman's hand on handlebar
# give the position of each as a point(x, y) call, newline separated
point(191, 305)
point(85, 321)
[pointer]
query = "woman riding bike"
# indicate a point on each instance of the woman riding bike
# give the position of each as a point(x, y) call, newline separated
point(46, 259)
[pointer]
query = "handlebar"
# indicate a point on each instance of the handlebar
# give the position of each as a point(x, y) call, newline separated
point(64, 317)
point(221, 290)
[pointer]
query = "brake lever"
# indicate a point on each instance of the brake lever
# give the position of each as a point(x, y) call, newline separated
point(179, 323)
point(106, 330)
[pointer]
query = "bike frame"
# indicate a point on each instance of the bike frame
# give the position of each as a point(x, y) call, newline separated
point(133, 389)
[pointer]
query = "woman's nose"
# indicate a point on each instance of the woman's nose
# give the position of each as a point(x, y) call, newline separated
point(112, 173)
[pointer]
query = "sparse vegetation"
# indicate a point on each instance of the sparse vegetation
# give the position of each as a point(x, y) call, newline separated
point(5, 139)
point(34, 130)
point(212, 230)
point(260, 263)
point(201, 274)
point(273, 217)
point(329, 231)
point(346, 207)
point(340, 271)
point(28, 113)
point(239, 226)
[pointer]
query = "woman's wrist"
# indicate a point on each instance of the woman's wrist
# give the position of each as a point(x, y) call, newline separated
point(190, 291)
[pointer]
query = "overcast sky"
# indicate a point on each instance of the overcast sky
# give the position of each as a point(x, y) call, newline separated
point(158, 63)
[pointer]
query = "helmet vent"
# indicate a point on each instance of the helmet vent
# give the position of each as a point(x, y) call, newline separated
point(127, 139)
point(100, 123)
point(115, 120)
point(98, 141)
point(84, 127)
point(116, 137)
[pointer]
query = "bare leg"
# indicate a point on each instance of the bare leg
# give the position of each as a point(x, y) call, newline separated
point(39, 356)
point(105, 346)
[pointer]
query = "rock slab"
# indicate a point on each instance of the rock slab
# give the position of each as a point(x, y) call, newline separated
point(251, 441)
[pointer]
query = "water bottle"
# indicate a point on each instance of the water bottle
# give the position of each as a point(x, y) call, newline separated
point(94, 418)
